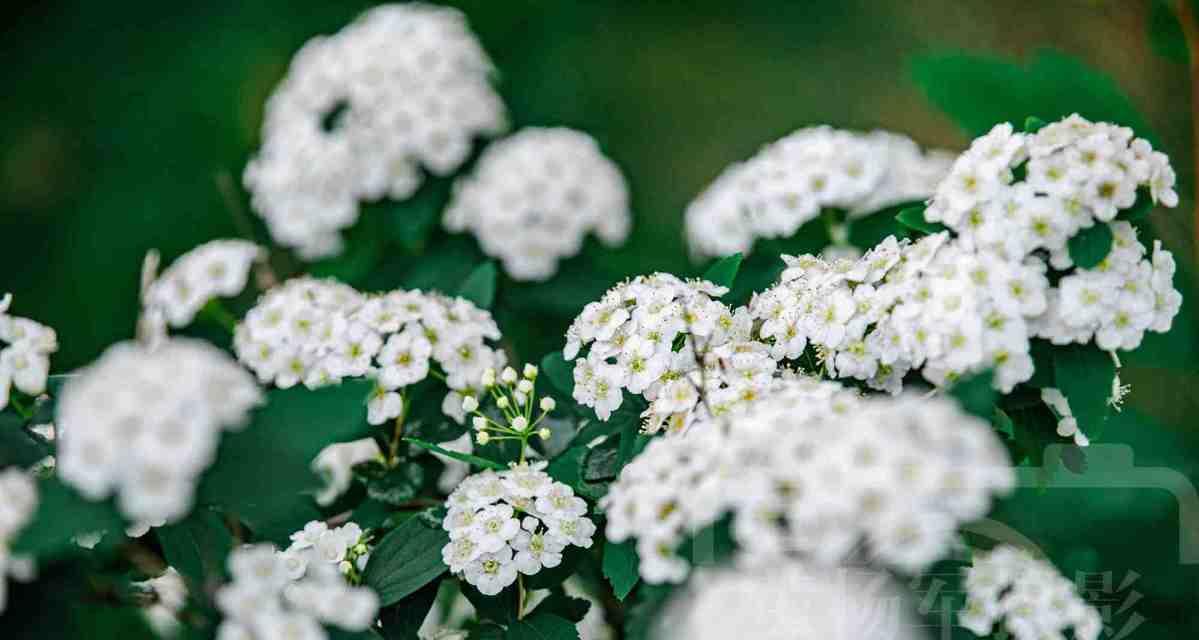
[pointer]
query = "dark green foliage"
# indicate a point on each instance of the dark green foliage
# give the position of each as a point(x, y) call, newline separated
point(1084, 375)
point(913, 218)
point(1090, 246)
point(407, 558)
point(723, 272)
point(621, 566)
point(479, 286)
point(196, 547)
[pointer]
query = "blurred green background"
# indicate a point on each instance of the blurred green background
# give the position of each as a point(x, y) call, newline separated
point(118, 119)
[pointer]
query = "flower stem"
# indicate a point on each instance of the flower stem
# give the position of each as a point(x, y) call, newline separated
point(398, 433)
point(520, 589)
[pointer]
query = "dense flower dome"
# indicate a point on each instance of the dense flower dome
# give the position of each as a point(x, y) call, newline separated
point(216, 269)
point(1031, 598)
point(670, 341)
point(513, 522)
point(144, 424)
point(292, 593)
point(813, 471)
point(317, 332)
point(790, 181)
point(361, 114)
point(25, 356)
point(535, 195)
point(1024, 196)
point(790, 601)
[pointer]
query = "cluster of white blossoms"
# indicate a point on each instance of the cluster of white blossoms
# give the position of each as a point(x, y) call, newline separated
point(811, 470)
point(217, 269)
point(146, 423)
point(1029, 595)
point(927, 305)
point(291, 594)
point(790, 601)
point(317, 332)
point(25, 361)
point(670, 341)
point(512, 522)
point(790, 181)
point(534, 196)
point(170, 596)
point(361, 112)
point(1075, 175)
point(18, 500)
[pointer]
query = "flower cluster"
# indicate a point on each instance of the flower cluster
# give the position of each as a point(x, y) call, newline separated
point(291, 594)
point(1031, 597)
point(1022, 197)
point(790, 181)
point(145, 424)
point(512, 522)
point(928, 305)
point(534, 196)
point(514, 399)
point(170, 596)
point(792, 601)
point(320, 331)
point(812, 470)
point(25, 362)
point(215, 269)
point(18, 499)
point(670, 341)
point(358, 115)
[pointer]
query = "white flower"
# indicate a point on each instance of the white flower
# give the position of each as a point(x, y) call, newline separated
point(165, 408)
point(217, 269)
point(320, 331)
point(490, 542)
point(18, 500)
point(535, 195)
point(791, 600)
point(359, 114)
point(791, 180)
point(1028, 595)
point(25, 362)
point(811, 470)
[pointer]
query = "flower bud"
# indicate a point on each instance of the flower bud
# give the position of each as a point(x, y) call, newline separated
point(480, 423)
point(519, 423)
point(524, 386)
point(548, 404)
point(521, 399)
point(469, 404)
point(345, 567)
point(489, 377)
point(530, 371)
point(502, 402)
point(544, 433)
point(508, 376)
point(482, 437)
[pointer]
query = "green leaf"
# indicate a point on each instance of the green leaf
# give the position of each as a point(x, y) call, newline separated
point(913, 218)
point(1033, 124)
point(479, 286)
point(643, 615)
point(542, 626)
point(390, 485)
point(724, 271)
point(567, 468)
point(601, 463)
point(499, 608)
point(197, 547)
point(621, 566)
point(867, 231)
point(1042, 360)
point(482, 463)
point(978, 91)
point(402, 620)
point(1090, 246)
point(263, 473)
point(975, 394)
point(62, 514)
point(1084, 375)
point(406, 559)
point(564, 606)
point(19, 447)
point(559, 372)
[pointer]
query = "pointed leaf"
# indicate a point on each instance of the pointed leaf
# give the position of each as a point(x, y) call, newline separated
point(1090, 246)
point(407, 559)
point(724, 271)
point(479, 286)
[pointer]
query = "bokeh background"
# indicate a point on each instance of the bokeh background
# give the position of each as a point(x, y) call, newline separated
point(118, 121)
